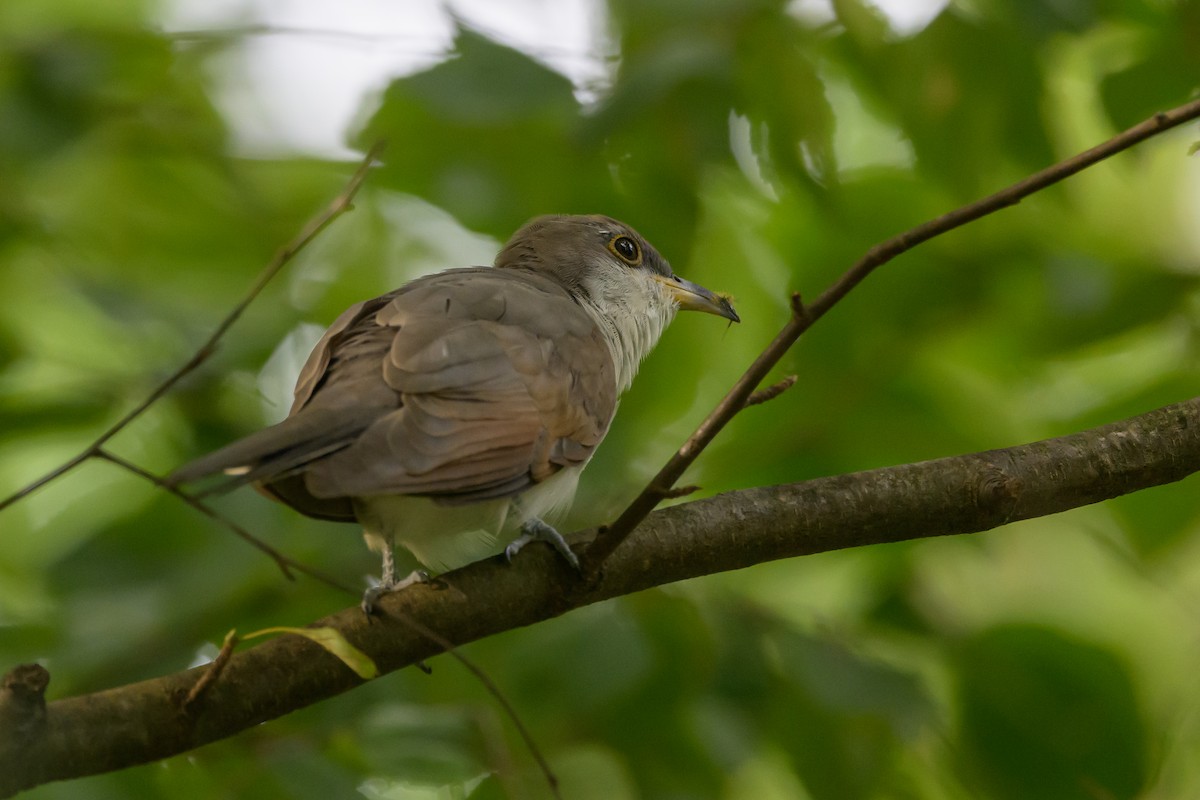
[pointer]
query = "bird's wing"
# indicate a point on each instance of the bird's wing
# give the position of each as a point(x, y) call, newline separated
point(498, 378)
point(277, 454)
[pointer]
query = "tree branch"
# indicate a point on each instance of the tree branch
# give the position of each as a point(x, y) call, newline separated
point(146, 721)
point(804, 316)
point(285, 563)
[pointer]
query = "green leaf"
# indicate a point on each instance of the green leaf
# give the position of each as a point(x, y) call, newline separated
point(333, 641)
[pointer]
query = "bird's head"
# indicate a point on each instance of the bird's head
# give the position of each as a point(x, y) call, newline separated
point(608, 265)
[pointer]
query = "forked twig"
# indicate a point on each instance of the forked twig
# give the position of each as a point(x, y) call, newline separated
point(312, 228)
point(805, 315)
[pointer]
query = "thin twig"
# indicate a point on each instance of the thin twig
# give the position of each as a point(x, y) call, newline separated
point(772, 391)
point(336, 208)
point(212, 673)
point(805, 315)
point(285, 563)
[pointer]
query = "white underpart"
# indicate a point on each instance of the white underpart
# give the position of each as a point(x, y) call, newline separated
point(445, 537)
point(440, 537)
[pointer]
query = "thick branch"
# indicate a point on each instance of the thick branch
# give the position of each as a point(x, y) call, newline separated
point(804, 316)
point(146, 721)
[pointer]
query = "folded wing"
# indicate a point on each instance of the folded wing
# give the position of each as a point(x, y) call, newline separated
point(464, 386)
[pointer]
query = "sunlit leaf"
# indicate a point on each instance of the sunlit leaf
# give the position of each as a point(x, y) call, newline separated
point(335, 642)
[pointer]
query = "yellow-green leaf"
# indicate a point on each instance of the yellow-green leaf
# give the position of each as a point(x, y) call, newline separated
point(333, 641)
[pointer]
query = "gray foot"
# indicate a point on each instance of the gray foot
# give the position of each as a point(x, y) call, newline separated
point(534, 530)
point(372, 595)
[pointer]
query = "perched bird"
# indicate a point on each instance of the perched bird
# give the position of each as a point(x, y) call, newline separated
point(465, 403)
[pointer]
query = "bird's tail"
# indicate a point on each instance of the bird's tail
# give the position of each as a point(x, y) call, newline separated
point(275, 452)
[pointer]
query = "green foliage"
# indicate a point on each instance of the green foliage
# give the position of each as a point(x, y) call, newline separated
point(763, 150)
point(1045, 716)
point(489, 108)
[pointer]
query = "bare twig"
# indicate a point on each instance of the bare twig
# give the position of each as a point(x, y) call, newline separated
point(771, 392)
point(210, 675)
point(312, 228)
point(285, 563)
point(805, 315)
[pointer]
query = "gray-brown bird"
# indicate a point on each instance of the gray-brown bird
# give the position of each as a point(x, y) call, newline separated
point(465, 403)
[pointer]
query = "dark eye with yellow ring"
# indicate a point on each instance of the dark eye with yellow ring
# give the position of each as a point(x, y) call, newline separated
point(626, 249)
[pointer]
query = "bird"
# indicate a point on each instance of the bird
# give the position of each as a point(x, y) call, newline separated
point(454, 414)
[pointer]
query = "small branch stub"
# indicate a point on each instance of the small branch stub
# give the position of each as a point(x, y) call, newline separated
point(799, 310)
point(677, 492)
point(23, 697)
point(772, 391)
point(212, 673)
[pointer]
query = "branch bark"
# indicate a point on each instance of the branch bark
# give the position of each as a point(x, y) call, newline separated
point(142, 722)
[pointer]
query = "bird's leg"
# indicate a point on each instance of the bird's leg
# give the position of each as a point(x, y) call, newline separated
point(387, 575)
point(372, 595)
point(387, 581)
point(534, 530)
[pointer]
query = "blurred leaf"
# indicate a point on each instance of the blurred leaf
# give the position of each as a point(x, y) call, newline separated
point(1047, 716)
point(461, 133)
point(764, 146)
point(792, 112)
point(941, 85)
point(422, 746)
point(1165, 70)
point(1043, 20)
point(842, 717)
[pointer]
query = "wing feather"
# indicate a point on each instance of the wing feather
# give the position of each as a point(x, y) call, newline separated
point(499, 380)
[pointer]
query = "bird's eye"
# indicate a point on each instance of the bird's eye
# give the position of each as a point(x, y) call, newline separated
point(626, 249)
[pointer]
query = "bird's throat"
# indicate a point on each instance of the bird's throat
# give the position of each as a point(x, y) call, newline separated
point(632, 323)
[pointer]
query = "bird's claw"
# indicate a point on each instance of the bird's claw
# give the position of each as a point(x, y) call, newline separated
point(372, 595)
point(534, 530)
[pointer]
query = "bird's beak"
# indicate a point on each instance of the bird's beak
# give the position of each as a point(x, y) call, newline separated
point(694, 297)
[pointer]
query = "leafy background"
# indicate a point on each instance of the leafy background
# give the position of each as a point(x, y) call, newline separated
point(762, 146)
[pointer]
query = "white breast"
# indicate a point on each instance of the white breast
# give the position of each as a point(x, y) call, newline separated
point(445, 537)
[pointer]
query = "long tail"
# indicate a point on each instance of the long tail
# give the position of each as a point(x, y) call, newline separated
point(275, 452)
